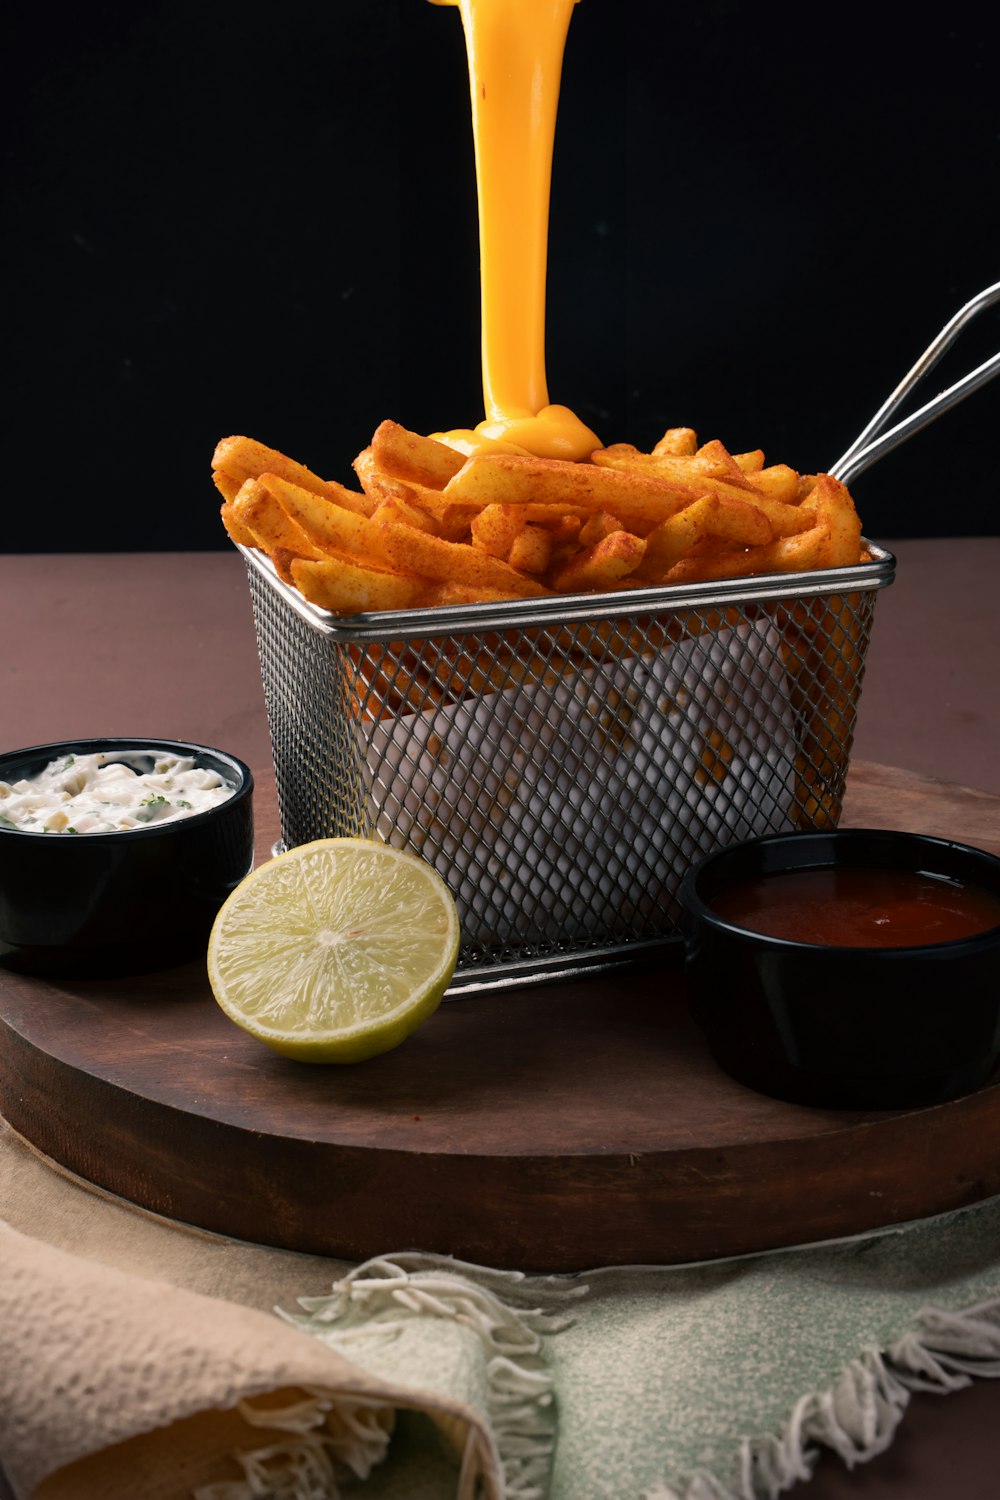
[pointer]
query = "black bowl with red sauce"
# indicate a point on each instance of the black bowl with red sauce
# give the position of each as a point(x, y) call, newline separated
point(857, 969)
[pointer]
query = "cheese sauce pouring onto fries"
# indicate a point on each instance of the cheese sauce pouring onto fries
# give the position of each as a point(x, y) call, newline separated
point(529, 503)
point(515, 50)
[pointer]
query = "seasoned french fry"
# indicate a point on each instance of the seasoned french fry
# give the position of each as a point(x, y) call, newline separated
point(778, 482)
point(712, 461)
point(452, 519)
point(243, 458)
point(609, 560)
point(835, 509)
point(407, 455)
point(792, 554)
point(404, 514)
point(640, 501)
point(750, 463)
point(448, 520)
point(715, 459)
point(256, 509)
point(786, 520)
point(283, 557)
point(601, 524)
point(377, 485)
point(711, 559)
point(346, 587)
point(449, 592)
point(682, 473)
point(531, 550)
point(227, 486)
point(739, 523)
point(236, 530)
point(677, 441)
point(330, 527)
point(495, 528)
point(401, 548)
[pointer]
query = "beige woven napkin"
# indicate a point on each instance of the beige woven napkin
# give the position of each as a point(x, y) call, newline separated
point(113, 1388)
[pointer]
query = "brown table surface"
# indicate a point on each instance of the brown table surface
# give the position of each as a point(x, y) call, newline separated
point(163, 644)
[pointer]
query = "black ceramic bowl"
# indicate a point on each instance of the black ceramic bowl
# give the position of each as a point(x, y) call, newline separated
point(122, 902)
point(844, 1026)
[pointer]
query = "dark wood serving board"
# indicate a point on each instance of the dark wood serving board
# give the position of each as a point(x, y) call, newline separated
point(553, 1127)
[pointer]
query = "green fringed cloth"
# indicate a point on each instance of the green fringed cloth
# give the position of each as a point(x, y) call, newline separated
point(413, 1377)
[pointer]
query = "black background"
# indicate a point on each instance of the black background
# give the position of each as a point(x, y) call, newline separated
point(226, 217)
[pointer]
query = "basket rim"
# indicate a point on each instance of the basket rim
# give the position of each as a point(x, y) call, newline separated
point(875, 572)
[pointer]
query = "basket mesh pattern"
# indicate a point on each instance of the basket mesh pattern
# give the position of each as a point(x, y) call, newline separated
point(561, 778)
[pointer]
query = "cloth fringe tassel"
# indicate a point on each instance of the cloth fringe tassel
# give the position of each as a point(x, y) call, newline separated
point(374, 1301)
point(858, 1416)
point(327, 1437)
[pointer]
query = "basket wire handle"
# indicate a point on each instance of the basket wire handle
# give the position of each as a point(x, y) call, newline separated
point(874, 442)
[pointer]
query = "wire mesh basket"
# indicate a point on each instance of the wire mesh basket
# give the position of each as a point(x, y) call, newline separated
point(561, 762)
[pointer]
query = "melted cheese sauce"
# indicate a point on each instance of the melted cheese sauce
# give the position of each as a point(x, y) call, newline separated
point(102, 793)
point(515, 50)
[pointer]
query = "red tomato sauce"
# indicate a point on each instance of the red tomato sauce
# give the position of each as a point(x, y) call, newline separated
point(857, 907)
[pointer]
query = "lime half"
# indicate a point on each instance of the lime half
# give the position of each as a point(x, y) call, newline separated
point(336, 950)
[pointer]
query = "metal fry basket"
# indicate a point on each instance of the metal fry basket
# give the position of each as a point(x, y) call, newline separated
point(562, 762)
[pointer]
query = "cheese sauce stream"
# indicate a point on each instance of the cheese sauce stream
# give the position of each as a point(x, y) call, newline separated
point(515, 50)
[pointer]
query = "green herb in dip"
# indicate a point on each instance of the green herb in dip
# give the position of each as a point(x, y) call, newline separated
point(103, 793)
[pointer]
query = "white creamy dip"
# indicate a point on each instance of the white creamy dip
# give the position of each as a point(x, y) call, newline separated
point(103, 793)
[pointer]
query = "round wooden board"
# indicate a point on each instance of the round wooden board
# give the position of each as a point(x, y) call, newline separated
point(549, 1128)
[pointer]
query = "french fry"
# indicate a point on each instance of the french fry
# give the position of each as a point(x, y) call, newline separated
point(330, 527)
point(712, 462)
point(406, 455)
point(282, 558)
point(346, 587)
point(502, 531)
point(711, 559)
point(376, 484)
point(677, 442)
point(601, 524)
point(243, 458)
point(531, 550)
point(236, 530)
point(452, 519)
point(785, 519)
point(640, 501)
point(612, 558)
point(397, 549)
point(835, 509)
point(778, 482)
point(750, 463)
point(403, 513)
point(682, 473)
point(403, 549)
point(495, 528)
point(271, 527)
point(737, 522)
point(227, 486)
point(449, 592)
point(793, 554)
point(449, 520)
point(714, 458)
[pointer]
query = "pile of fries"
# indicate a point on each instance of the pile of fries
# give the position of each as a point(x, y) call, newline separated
point(431, 527)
